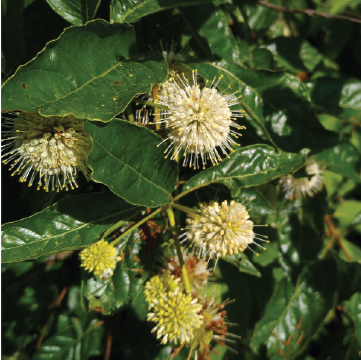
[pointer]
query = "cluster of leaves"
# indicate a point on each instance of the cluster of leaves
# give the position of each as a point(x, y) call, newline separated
point(300, 81)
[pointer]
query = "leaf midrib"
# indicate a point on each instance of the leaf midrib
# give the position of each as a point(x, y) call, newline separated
point(67, 232)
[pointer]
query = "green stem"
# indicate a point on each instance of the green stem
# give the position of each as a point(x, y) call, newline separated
point(149, 103)
point(135, 226)
point(185, 209)
point(174, 231)
point(130, 113)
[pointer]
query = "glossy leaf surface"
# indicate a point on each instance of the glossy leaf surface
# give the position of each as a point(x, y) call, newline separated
point(77, 12)
point(133, 166)
point(70, 224)
point(300, 225)
point(91, 71)
point(130, 11)
point(248, 166)
point(343, 159)
point(292, 317)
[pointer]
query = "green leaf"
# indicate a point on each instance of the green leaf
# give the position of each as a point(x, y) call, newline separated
point(249, 166)
point(72, 342)
point(294, 53)
point(111, 295)
point(349, 212)
point(278, 102)
point(353, 307)
point(352, 250)
point(70, 224)
point(133, 168)
point(91, 71)
point(202, 20)
point(259, 18)
point(77, 12)
point(242, 263)
point(341, 97)
point(342, 159)
point(300, 226)
point(293, 317)
point(130, 11)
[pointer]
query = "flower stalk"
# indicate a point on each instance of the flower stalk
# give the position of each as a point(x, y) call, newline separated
point(174, 231)
point(135, 226)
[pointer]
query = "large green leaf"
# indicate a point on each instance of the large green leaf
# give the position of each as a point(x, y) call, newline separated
point(77, 12)
point(73, 341)
point(292, 317)
point(294, 53)
point(342, 159)
point(249, 166)
point(278, 103)
point(353, 307)
point(130, 11)
point(112, 294)
point(202, 20)
point(91, 71)
point(349, 212)
point(70, 224)
point(132, 166)
point(300, 226)
point(341, 97)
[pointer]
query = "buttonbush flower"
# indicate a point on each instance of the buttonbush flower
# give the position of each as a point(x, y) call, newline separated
point(300, 187)
point(197, 271)
point(158, 285)
point(221, 230)
point(176, 317)
point(214, 327)
point(198, 120)
point(53, 147)
point(100, 257)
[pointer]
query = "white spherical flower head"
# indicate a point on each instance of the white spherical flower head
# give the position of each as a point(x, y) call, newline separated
point(53, 147)
point(198, 120)
point(300, 187)
point(221, 230)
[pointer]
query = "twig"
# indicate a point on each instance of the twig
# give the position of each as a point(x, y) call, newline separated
point(57, 303)
point(308, 12)
point(336, 235)
point(108, 346)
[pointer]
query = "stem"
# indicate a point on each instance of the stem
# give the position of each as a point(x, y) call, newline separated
point(135, 226)
point(336, 235)
point(309, 12)
point(174, 231)
point(185, 209)
point(149, 103)
point(130, 113)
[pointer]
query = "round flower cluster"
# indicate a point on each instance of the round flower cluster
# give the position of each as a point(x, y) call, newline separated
point(100, 257)
point(175, 314)
point(300, 187)
point(52, 147)
point(214, 327)
point(198, 120)
point(221, 230)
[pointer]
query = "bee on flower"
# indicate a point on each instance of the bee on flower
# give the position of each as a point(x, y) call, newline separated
point(52, 147)
point(199, 121)
point(100, 258)
point(301, 187)
point(221, 229)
